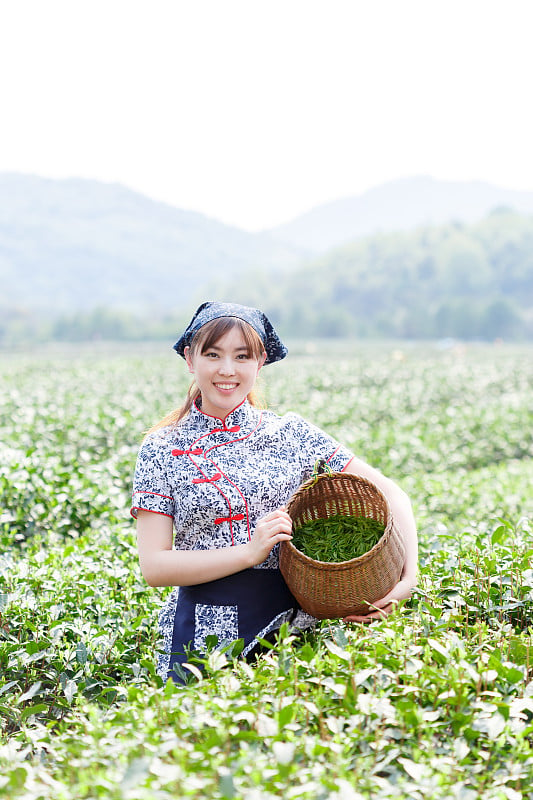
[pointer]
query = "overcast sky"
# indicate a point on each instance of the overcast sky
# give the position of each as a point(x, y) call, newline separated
point(255, 111)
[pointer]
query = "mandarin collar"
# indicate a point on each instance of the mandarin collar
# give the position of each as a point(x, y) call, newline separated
point(242, 418)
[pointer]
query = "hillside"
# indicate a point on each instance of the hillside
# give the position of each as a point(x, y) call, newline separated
point(395, 206)
point(83, 260)
point(465, 281)
point(78, 244)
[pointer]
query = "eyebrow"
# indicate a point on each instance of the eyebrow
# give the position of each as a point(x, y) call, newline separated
point(236, 349)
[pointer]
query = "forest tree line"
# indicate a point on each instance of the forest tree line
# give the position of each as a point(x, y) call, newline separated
point(456, 280)
point(463, 281)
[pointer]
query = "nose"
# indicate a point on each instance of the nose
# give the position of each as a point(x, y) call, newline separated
point(226, 366)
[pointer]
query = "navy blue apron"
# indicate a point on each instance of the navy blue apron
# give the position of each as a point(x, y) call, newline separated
point(259, 595)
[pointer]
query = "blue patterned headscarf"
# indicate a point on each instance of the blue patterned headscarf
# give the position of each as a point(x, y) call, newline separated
point(274, 347)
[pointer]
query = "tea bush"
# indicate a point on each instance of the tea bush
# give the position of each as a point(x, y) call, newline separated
point(434, 702)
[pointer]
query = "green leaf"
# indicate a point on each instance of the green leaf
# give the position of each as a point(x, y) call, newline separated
point(340, 637)
point(29, 711)
point(194, 670)
point(81, 653)
point(31, 692)
point(7, 686)
point(499, 534)
point(70, 690)
point(286, 714)
point(337, 651)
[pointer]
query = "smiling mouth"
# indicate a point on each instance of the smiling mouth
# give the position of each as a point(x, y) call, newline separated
point(226, 386)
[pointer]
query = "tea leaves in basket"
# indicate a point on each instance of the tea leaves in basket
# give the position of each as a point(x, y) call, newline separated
point(337, 538)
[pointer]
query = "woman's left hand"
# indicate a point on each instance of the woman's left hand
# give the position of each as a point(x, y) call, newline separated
point(381, 608)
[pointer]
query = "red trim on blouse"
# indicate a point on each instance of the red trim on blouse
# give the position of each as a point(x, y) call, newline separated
point(217, 466)
point(334, 453)
point(150, 511)
point(233, 429)
point(194, 450)
point(236, 518)
point(232, 441)
point(346, 465)
point(216, 477)
point(156, 494)
point(219, 418)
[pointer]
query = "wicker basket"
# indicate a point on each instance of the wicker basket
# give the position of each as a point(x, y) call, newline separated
point(332, 590)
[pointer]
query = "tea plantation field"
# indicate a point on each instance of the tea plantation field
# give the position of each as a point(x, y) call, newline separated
point(434, 702)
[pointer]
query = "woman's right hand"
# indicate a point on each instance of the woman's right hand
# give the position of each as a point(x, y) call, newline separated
point(161, 565)
point(270, 530)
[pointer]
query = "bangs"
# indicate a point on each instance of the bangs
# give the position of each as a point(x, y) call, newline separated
point(210, 333)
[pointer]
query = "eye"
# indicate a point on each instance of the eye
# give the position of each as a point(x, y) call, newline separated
point(211, 354)
point(243, 356)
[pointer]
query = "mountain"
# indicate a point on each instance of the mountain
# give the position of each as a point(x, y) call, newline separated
point(397, 206)
point(68, 245)
point(465, 281)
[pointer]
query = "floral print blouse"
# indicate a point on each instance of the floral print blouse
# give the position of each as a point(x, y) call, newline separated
point(215, 478)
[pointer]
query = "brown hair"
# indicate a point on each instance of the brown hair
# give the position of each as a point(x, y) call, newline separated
point(208, 335)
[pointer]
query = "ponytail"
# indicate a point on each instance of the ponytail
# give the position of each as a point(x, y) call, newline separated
point(179, 413)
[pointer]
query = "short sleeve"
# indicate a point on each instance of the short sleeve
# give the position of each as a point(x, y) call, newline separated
point(314, 444)
point(151, 488)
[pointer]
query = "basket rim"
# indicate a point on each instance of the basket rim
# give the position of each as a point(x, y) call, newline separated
point(380, 544)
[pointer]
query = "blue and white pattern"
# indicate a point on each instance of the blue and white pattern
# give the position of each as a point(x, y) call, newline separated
point(220, 621)
point(274, 347)
point(216, 478)
point(166, 628)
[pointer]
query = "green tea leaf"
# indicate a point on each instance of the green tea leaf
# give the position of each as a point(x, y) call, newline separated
point(337, 538)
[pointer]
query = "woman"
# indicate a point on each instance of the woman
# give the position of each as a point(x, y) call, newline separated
point(210, 488)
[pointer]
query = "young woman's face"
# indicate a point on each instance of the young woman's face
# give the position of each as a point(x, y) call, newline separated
point(225, 373)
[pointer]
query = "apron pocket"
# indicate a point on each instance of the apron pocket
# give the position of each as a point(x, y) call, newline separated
point(221, 621)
